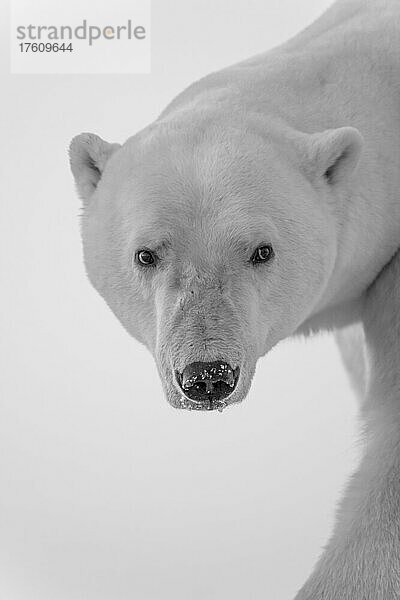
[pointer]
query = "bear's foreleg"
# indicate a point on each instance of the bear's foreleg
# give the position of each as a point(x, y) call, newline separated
point(362, 558)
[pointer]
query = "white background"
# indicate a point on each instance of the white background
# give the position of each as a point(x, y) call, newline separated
point(106, 492)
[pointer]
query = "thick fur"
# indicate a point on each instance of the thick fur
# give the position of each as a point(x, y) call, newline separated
point(351, 342)
point(297, 148)
point(362, 559)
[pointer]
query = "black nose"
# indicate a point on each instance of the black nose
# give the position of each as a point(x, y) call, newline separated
point(208, 382)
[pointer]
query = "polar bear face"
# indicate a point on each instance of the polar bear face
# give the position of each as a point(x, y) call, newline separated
point(210, 244)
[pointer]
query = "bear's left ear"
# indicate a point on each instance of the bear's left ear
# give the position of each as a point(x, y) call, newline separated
point(333, 154)
point(88, 155)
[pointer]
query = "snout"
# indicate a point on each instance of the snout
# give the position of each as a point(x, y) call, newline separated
point(208, 384)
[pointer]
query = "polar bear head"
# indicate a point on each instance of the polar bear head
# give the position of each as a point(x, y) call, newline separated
point(211, 240)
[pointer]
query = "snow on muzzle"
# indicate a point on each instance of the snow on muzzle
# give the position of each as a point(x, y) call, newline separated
point(208, 384)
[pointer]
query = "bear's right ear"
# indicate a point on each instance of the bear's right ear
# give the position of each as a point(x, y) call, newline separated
point(88, 155)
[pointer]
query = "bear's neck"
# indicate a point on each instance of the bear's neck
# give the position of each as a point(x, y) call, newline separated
point(368, 235)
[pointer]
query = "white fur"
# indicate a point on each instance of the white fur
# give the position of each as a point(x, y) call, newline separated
point(362, 558)
point(299, 148)
point(351, 342)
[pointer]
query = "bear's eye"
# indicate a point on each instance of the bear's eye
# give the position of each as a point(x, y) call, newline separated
point(262, 254)
point(145, 258)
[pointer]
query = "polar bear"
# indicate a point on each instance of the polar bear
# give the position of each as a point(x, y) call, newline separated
point(262, 203)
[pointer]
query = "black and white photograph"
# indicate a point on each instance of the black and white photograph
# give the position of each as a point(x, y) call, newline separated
point(200, 300)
